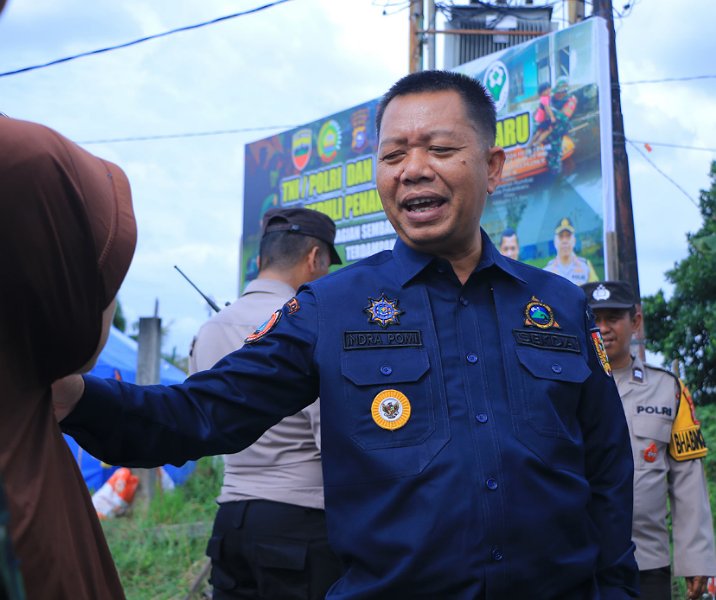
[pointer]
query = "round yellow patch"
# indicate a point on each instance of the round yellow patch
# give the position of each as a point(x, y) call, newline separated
point(390, 409)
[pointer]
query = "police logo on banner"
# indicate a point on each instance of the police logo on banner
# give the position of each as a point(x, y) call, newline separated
point(264, 328)
point(301, 148)
point(390, 409)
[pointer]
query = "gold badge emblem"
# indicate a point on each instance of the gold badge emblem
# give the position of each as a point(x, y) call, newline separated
point(539, 314)
point(390, 409)
point(383, 311)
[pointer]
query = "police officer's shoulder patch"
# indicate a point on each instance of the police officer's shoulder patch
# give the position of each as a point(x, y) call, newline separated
point(598, 345)
point(687, 440)
point(264, 328)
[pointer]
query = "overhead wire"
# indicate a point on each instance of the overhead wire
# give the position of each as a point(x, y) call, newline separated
point(144, 39)
point(653, 164)
point(190, 134)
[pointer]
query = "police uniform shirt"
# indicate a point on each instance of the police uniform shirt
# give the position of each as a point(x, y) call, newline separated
point(651, 400)
point(284, 464)
point(473, 443)
point(578, 270)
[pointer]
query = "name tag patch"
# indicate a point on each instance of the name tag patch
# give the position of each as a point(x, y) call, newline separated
point(356, 340)
point(546, 340)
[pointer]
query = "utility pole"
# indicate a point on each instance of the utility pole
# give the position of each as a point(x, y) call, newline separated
point(148, 361)
point(626, 263)
point(415, 45)
point(575, 11)
point(622, 245)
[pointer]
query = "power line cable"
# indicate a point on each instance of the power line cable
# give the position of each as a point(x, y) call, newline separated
point(647, 159)
point(667, 145)
point(144, 39)
point(169, 136)
point(668, 79)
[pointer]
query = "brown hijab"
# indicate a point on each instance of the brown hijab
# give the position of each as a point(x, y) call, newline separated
point(67, 235)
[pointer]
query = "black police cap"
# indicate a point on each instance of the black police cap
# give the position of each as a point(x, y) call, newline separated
point(305, 222)
point(609, 294)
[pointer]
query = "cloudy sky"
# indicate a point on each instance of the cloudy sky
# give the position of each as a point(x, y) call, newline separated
point(293, 63)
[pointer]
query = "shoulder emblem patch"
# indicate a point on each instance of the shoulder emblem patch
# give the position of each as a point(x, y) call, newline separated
point(292, 305)
point(687, 440)
point(264, 328)
point(538, 314)
point(598, 344)
point(390, 409)
point(383, 311)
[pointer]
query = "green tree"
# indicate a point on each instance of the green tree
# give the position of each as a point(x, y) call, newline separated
point(119, 321)
point(683, 327)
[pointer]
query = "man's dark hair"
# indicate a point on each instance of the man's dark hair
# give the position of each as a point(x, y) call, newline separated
point(508, 232)
point(543, 87)
point(285, 249)
point(478, 103)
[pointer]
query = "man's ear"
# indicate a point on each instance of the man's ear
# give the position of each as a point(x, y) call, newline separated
point(636, 321)
point(495, 162)
point(313, 259)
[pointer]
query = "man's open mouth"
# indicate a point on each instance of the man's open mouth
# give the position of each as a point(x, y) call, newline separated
point(418, 205)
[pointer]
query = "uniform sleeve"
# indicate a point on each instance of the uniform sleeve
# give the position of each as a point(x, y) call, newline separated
point(692, 522)
point(609, 469)
point(219, 411)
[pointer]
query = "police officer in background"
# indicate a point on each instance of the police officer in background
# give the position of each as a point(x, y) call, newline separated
point(567, 264)
point(271, 501)
point(668, 447)
point(473, 443)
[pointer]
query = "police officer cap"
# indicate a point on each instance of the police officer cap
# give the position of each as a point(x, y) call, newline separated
point(564, 224)
point(305, 222)
point(609, 294)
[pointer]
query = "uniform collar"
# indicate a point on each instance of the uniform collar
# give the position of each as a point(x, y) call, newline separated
point(411, 262)
point(270, 286)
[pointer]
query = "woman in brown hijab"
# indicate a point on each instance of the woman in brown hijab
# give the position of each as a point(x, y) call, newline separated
point(67, 235)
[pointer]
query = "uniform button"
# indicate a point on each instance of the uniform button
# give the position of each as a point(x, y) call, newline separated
point(496, 554)
point(481, 417)
point(491, 483)
point(557, 368)
point(386, 370)
point(471, 358)
point(464, 301)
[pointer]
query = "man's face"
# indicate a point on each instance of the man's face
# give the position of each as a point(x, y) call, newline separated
point(509, 247)
point(564, 241)
point(617, 328)
point(434, 171)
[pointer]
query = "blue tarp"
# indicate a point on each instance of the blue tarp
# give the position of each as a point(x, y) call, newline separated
point(118, 360)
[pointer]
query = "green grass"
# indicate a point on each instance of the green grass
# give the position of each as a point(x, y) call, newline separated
point(159, 547)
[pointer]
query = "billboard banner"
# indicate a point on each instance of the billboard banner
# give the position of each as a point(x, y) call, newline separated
point(327, 165)
point(554, 122)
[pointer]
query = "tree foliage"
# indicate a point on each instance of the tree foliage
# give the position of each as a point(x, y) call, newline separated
point(684, 326)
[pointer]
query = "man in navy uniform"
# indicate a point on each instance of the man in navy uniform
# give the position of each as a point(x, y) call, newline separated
point(473, 441)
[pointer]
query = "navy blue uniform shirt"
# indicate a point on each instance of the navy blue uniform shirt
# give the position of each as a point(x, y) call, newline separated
point(474, 446)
